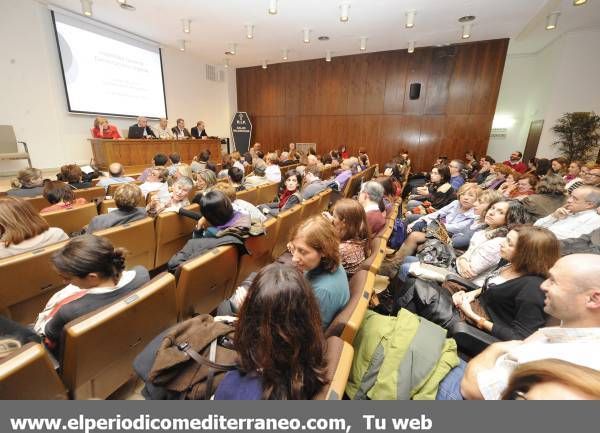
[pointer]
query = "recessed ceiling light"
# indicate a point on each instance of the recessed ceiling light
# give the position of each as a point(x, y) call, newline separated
point(411, 46)
point(182, 45)
point(86, 7)
point(323, 38)
point(552, 20)
point(363, 43)
point(284, 54)
point(272, 7)
point(249, 31)
point(466, 33)
point(328, 56)
point(410, 19)
point(186, 25)
point(126, 6)
point(466, 19)
point(264, 64)
point(579, 2)
point(344, 9)
point(306, 37)
point(226, 63)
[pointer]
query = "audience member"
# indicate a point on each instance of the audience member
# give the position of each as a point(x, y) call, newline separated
point(236, 178)
point(156, 181)
point(573, 171)
point(543, 167)
point(345, 174)
point(141, 129)
point(219, 216)
point(314, 246)
point(256, 216)
point(578, 216)
point(437, 193)
point(162, 130)
point(175, 201)
point(559, 166)
point(497, 176)
point(95, 271)
point(510, 304)
point(226, 164)
point(553, 379)
point(183, 170)
point(236, 157)
point(516, 163)
point(180, 131)
point(127, 198)
point(175, 160)
point(524, 186)
point(549, 196)
point(73, 175)
point(257, 178)
point(200, 162)
point(28, 183)
point(592, 176)
point(313, 185)
point(509, 184)
point(289, 197)
point(22, 229)
point(485, 199)
point(572, 296)
point(370, 196)
point(61, 197)
point(273, 172)
point(206, 179)
point(103, 129)
point(456, 167)
point(159, 160)
point(115, 175)
point(350, 222)
point(389, 193)
point(485, 164)
point(279, 316)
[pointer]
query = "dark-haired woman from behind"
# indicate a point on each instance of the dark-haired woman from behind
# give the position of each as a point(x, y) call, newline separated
point(61, 197)
point(279, 340)
point(218, 215)
point(96, 276)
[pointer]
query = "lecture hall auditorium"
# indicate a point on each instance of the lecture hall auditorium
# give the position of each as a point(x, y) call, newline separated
point(276, 200)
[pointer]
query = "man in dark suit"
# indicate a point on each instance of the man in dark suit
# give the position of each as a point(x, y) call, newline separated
point(198, 130)
point(180, 131)
point(141, 129)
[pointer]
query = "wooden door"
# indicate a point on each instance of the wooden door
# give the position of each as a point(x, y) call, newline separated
point(533, 139)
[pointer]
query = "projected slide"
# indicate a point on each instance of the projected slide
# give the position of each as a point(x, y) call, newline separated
point(109, 75)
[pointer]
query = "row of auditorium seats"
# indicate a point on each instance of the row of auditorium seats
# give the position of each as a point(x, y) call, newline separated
point(97, 354)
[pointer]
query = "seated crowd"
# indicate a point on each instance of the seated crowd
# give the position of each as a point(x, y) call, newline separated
point(499, 249)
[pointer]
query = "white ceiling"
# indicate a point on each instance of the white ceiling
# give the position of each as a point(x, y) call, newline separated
point(217, 23)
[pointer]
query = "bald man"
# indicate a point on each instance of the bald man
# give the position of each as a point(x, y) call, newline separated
point(115, 175)
point(573, 296)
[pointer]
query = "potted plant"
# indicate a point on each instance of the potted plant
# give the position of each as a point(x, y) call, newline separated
point(578, 135)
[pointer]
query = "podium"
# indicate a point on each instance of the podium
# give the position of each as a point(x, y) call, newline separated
point(136, 154)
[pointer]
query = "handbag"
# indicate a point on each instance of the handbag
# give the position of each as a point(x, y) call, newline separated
point(187, 361)
point(437, 249)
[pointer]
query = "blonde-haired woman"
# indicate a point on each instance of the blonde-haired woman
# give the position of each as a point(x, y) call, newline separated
point(28, 183)
point(22, 229)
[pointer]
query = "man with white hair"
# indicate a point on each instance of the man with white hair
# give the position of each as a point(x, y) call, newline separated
point(370, 196)
point(115, 175)
point(573, 296)
point(578, 217)
point(141, 129)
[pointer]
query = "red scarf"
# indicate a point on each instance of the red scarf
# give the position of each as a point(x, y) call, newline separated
point(283, 198)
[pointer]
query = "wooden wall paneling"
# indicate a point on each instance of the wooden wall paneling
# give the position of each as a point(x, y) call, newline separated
point(333, 86)
point(291, 130)
point(431, 137)
point(463, 76)
point(358, 68)
point(334, 132)
point(372, 137)
point(438, 82)
point(375, 83)
point(291, 78)
point(410, 129)
point(417, 72)
point(491, 55)
point(308, 87)
point(478, 132)
point(355, 137)
point(241, 79)
point(310, 130)
point(395, 80)
point(456, 135)
point(252, 100)
point(275, 90)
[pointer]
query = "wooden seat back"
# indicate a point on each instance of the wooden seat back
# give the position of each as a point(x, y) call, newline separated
point(28, 374)
point(28, 282)
point(99, 348)
point(71, 220)
point(172, 232)
point(205, 281)
point(138, 238)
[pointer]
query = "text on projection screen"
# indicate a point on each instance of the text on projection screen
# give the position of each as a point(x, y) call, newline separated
point(104, 75)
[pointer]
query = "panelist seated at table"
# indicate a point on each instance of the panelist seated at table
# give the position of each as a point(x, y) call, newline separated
point(103, 129)
point(162, 131)
point(141, 129)
point(198, 131)
point(180, 131)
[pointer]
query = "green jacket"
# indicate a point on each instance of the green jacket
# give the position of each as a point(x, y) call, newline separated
point(399, 358)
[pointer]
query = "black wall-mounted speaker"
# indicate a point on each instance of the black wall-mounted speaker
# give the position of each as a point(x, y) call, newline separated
point(415, 90)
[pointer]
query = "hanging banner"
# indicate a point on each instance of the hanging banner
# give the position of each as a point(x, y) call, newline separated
point(241, 130)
